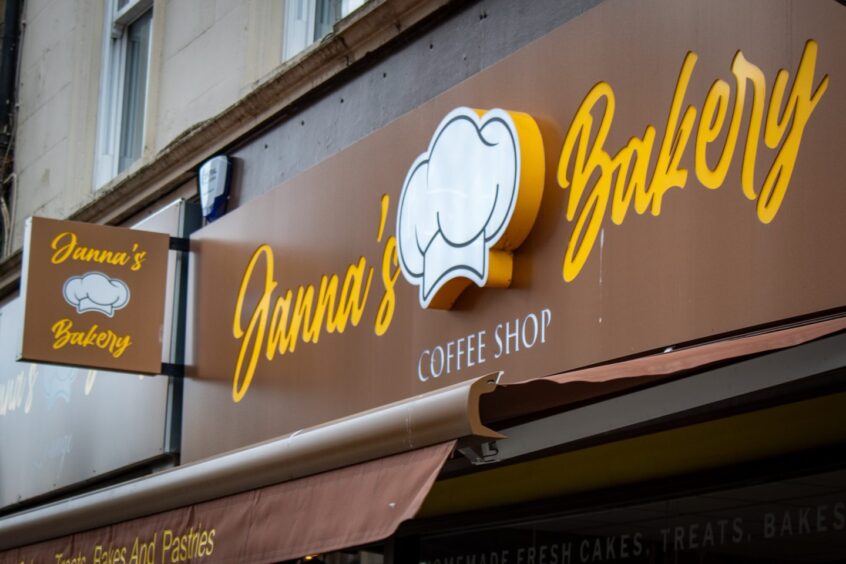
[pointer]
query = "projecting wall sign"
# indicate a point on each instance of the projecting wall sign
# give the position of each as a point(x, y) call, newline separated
point(93, 296)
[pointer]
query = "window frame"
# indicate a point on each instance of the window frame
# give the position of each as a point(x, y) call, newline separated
point(299, 33)
point(112, 93)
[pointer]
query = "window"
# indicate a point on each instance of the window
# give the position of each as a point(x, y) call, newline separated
point(306, 21)
point(799, 518)
point(123, 86)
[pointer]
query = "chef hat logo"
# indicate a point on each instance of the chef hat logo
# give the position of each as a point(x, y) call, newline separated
point(468, 201)
point(94, 291)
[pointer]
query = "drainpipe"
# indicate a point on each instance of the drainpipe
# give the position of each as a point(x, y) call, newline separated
point(8, 71)
point(8, 68)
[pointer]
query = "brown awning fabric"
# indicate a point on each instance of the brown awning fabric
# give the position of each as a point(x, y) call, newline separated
point(533, 397)
point(351, 506)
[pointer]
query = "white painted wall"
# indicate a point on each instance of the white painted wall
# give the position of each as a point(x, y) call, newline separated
point(57, 96)
point(205, 55)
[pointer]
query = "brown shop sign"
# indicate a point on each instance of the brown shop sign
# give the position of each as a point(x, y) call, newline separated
point(93, 295)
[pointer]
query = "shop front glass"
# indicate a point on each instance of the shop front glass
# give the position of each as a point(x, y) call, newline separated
point(795, 520)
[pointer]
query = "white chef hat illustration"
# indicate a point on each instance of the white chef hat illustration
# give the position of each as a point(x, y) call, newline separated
point(458, 199)
point(94, 291)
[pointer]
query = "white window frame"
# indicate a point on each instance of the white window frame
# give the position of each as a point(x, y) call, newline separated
point(300, 25)
point(112, 79)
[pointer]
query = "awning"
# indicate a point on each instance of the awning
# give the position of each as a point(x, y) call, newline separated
point(358, 444)
point(533, 397)
point(341, 484)
point(351, 506)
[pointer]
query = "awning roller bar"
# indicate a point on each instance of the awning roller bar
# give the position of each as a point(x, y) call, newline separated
point(424, 420)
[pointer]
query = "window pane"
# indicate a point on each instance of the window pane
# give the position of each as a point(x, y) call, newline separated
point(789, 521)
point(307, 21)
point(134, 90)
point(348, 6)
point(326, 14)
point(295, 37)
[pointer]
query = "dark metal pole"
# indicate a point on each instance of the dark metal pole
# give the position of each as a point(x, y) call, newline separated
point(8, 68)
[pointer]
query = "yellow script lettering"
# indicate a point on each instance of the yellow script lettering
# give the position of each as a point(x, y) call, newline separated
point(64, 335)
point(278, 322)
point(588, 170)
point(389, 260)
point(66, 247)
point(287, 325)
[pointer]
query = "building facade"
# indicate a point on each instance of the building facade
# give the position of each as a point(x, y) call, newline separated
point(492, 281)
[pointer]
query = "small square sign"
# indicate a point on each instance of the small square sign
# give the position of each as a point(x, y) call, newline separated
point(94, 295)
